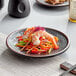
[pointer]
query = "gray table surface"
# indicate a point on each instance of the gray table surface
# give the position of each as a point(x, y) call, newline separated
point(49, 17)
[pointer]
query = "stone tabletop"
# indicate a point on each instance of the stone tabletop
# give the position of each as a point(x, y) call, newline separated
point(41, 16)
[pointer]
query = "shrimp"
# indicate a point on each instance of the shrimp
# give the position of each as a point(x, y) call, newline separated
point(38, 34)
point(28, 32)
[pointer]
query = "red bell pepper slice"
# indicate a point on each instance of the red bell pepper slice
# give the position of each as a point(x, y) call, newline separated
point(34, 51)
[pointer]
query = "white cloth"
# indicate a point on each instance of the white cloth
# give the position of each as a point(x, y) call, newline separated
point(13, 65)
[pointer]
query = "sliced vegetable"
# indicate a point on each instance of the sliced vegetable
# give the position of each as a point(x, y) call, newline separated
point(49, 51)
point(45, 46)
point(19, 45)
point(26, 44)
point(56, 38)
point(34, 51)
point(19, 37)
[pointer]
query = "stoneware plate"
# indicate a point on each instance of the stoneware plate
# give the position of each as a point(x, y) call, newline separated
point(42, 2)
point(63, 43)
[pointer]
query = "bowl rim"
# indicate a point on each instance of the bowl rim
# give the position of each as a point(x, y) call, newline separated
point(40, 56)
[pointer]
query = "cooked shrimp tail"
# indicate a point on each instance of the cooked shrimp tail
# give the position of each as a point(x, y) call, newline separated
point(38, 34)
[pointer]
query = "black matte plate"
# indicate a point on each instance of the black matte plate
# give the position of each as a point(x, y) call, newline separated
point(63, 43)
point(42, 2)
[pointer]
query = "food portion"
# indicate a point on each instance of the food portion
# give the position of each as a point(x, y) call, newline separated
point(54, 2)
point(36, 40)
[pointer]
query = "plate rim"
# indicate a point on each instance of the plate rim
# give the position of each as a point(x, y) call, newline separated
point(40, 56)
point(51, 5)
